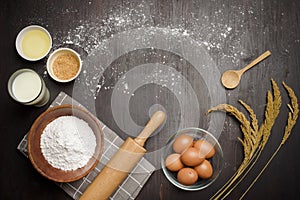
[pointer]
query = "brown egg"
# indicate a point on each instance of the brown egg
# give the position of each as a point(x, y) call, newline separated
point(173, 162)
point(182, 142)
point(204, 170)
point(191, 157)
point(187, 176)
point(205, 148)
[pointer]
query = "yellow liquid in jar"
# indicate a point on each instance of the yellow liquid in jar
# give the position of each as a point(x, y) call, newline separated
point(35, 44)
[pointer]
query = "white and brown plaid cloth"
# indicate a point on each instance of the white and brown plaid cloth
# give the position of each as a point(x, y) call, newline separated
point(131, 186)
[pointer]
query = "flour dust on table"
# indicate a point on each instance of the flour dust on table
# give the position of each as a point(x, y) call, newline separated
point(156, 61)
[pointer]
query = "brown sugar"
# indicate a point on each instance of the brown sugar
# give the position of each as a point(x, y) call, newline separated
point(65, 66)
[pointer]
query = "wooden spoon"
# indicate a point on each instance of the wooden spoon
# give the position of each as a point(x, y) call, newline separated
point(231, 78)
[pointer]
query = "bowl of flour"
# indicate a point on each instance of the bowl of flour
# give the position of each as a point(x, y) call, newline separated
point(65, 143)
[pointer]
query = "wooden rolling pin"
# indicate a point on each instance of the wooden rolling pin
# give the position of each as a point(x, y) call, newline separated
point(124, 160)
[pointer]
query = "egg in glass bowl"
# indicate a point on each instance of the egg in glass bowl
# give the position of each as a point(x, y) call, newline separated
point(192, 159)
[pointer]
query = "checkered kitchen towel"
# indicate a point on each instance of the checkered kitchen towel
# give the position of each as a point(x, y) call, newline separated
point(131, 186)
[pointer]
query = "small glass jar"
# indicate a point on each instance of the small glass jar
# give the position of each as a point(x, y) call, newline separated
point(27, 87)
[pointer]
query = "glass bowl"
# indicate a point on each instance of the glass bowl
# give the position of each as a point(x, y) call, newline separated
point(217, 161)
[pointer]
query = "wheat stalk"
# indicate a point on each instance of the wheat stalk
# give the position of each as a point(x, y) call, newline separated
point(246, 129)
point(244, 124)
point(293, 114)
point(292, 119)
point(255, 137)
point(271, 113)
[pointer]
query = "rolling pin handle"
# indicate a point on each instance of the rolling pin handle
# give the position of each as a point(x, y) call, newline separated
point(155, 121)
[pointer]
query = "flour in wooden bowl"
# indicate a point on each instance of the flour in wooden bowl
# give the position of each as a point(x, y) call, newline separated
point(68, 143)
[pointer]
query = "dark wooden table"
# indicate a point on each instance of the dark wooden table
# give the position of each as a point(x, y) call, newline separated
point(231, 32)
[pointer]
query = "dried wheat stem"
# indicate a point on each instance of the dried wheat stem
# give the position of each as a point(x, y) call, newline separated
point(246, 129)
point(260, 173)
point(292, 119)
point(271, 113)
point(293, 114)
point(255, 138)
point(248, 169)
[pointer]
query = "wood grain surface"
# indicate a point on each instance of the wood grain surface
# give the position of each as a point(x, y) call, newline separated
point(232, 32)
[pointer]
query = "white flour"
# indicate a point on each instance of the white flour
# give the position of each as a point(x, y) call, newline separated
point(68, 143)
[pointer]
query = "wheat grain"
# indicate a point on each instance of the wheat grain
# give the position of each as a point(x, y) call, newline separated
point(292, 119)
point(255, 137)
point(293, 114)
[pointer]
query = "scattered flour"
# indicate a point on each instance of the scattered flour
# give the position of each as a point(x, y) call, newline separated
point(92, 34)
point(68, 143)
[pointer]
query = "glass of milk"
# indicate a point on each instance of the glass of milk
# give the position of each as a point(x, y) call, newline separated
point(27, 87)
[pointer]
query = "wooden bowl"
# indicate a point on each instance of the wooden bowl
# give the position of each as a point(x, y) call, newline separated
point(35, 154)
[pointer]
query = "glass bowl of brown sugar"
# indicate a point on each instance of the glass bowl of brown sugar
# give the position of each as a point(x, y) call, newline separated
point(64, 65)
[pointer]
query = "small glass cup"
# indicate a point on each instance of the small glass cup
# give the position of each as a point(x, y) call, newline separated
point(27, 87)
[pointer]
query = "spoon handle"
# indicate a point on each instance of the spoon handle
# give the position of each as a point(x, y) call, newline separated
point(257, 60)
